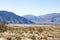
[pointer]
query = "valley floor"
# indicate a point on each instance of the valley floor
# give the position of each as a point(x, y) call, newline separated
point(36, 32)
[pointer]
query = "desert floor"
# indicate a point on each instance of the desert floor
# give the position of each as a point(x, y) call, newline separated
point(31, 32)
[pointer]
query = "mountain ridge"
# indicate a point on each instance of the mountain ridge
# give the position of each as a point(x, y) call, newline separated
point(47, 18)
point(10, 17)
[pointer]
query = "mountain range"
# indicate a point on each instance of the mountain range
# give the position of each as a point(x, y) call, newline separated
point(53, 18)
point(10, 17)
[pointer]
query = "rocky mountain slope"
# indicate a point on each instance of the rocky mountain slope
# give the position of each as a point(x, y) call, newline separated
point(10, 17)
point(48, 18)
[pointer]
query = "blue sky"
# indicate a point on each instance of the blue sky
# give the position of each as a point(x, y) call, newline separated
point(34, 7)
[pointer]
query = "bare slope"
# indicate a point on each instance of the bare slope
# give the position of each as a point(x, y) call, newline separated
point(10, 17)
point(53, 18)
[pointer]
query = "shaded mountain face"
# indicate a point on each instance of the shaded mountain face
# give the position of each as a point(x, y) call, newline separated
point(48, 18)
point(10, 17)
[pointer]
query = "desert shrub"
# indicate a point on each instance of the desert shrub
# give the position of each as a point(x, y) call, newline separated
point(9, 38)
point(45, 38)
point(3, 27)
point(33, 37)
point(31, 29)
point(40, 30)
point(18, 38)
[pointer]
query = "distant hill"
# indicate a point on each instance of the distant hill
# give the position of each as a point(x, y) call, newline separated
point(31, 17)
point(53, 18)
point(10, 17)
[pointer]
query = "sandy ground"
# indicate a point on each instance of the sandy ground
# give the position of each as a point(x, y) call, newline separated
point(28, 25)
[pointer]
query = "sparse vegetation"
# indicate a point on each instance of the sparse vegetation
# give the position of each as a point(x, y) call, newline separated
point(3, 27)
point(30, 33)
